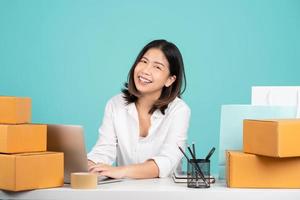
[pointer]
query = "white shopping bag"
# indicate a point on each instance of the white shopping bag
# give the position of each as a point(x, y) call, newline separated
point(276, 96)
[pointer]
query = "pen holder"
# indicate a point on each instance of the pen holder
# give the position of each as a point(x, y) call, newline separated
point(194, 179)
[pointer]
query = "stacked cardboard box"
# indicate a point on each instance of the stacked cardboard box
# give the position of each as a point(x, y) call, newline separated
point(271, 157)
point(24, 162)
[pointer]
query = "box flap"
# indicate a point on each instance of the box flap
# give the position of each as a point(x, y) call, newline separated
point(35, 153)
point(275, 120)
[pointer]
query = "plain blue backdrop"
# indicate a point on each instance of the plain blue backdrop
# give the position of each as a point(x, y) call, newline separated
point(71, 56)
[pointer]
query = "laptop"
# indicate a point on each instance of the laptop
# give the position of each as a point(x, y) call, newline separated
point(69, 139)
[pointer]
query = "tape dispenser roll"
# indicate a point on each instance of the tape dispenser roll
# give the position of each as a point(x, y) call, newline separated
point(84, 180)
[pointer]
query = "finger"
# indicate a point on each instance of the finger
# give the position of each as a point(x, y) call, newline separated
point(94, 170)
point(97, 169)
point(105, 173)
point(91, 168)
point(97, 166)
point(91, 162)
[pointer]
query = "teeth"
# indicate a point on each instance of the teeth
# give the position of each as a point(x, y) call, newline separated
point(144, 80)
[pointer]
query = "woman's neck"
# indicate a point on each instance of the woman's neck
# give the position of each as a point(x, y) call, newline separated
point(146, 101)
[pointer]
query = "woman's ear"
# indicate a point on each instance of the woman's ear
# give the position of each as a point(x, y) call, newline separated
point(170, 81)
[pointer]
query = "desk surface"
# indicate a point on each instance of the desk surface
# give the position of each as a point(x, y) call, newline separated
point(154, 189)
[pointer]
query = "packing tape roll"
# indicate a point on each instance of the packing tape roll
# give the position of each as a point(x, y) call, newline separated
point(83, 180)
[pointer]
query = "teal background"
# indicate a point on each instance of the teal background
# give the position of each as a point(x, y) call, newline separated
point(71, 56)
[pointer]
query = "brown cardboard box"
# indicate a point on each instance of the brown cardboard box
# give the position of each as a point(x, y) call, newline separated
point(28, 171)
point(276, 138)
point(23, 138)
point(252, 171)
point(15, 110)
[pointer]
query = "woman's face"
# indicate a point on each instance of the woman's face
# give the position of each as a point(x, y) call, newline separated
point(152, 73)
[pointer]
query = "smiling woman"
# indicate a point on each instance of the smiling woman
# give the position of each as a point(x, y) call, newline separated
point(143, 127)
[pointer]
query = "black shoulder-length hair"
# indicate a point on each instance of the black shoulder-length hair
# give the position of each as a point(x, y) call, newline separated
point(176, 67)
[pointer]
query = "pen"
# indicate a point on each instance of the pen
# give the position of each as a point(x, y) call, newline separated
point(197, 169)
point(194, 149)
point(197, 166)
point(194, 152)
point(210, 153)
point(184, 154)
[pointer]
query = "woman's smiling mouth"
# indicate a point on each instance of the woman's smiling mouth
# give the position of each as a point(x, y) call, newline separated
point(144, 80)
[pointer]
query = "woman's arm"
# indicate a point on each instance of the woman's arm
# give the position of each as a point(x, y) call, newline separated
point(169, 155)
point(104, 150)
point(148, 169)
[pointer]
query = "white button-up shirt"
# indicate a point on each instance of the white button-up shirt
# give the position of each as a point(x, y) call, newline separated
point(120, 141)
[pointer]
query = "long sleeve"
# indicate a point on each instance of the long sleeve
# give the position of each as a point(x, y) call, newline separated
point(104, 150)
point(169, 156)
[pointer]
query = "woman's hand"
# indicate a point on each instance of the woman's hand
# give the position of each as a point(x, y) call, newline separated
point(97, 168)
point(109, 171)
point(148, 169)
point(114, 172)
point(90, 164)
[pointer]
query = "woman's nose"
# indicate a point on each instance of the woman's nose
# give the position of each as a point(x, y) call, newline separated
point(147, 69)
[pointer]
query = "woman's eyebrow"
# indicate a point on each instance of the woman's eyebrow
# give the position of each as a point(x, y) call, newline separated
point(144, 58)
point(156, 62)
point(159, 63)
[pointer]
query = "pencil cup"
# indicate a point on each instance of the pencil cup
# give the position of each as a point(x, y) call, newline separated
point(194, 178)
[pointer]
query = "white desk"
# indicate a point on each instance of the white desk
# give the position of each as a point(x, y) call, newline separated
point(155, 189)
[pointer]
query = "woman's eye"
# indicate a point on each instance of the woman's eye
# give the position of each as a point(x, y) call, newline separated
point(158, 67)
point(143, 61)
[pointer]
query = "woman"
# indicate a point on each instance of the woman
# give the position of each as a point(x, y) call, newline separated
point(143, 127)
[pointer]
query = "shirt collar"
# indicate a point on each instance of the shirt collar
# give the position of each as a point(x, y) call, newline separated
point(131, 108)
point(157, 114)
